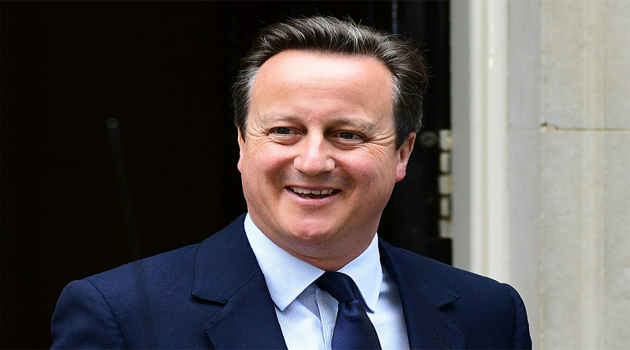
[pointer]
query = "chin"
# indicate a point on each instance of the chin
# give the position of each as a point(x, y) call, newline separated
point(312, 234)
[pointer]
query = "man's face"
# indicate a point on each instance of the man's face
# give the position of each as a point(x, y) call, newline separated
point(319, 160)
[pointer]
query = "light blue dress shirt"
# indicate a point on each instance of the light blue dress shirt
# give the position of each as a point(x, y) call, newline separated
point(307, 314)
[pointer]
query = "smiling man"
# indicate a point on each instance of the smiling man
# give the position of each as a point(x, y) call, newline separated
point(320, 143)
point(327, 113)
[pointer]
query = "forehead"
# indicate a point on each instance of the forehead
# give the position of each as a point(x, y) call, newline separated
point(317, 79)
point(301, 64)
point(330, 60)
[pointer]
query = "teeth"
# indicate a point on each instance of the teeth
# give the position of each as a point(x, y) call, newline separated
point(315, 192)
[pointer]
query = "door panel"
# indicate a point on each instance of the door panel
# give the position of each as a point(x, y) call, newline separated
point(163, 71)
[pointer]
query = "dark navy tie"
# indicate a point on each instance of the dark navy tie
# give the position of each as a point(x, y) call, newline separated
point(353, 329)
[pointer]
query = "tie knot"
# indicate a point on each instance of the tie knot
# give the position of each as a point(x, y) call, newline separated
point(339, 285)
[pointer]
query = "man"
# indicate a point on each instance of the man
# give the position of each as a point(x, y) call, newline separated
point(327, 113)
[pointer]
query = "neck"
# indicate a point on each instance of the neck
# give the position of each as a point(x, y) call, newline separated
point(329, 258)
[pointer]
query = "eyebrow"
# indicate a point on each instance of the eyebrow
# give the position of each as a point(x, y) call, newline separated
point(362, 126)
point(266, 118)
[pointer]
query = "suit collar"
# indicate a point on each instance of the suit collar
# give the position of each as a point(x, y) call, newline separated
point(423, 298)
point(227, 250)
point(286, 275)
point(227, 274)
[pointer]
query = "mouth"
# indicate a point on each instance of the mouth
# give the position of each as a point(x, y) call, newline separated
point(313, 193)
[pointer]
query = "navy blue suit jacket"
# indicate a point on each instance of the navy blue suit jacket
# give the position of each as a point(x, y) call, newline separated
point(213, 295)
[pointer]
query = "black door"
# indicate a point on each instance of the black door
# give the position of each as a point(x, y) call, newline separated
point(118, 140)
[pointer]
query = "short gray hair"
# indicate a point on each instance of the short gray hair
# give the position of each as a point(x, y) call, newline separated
point(332, 35)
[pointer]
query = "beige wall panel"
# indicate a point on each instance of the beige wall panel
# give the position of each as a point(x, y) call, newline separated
point(616, 58)
point(561, 240)
point(616, 297)
point(585, 242)
point(564, 62)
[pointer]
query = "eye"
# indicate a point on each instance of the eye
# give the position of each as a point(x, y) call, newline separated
point(280, 131)
point(284, 135)
point(350, 136)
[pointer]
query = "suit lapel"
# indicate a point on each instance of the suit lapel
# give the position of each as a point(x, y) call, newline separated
point(422, 299)
point(248, 320)
point(227, 274)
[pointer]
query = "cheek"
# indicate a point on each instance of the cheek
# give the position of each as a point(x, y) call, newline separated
point(374, 164)
point(264, 161)
point(369, 174)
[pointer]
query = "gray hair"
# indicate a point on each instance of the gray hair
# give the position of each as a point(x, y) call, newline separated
point(332, 35)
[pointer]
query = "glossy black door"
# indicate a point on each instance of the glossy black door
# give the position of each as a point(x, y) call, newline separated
point(118, 140)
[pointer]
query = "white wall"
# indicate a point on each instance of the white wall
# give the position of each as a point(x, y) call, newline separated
point(542, 171)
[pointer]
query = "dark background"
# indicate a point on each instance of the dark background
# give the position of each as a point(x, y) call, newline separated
point(79, 197)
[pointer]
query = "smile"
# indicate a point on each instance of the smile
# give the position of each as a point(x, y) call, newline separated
point(307, 192)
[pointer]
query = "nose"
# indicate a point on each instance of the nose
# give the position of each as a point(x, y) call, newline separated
point(314, 156)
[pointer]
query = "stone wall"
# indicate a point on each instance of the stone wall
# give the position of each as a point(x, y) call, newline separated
point(566, 202)
point(570, 163)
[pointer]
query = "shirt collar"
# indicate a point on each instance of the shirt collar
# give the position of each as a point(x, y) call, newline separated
point(287, 276)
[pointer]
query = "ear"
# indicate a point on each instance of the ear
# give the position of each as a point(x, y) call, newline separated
point(404, 152)
point(241, 145)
